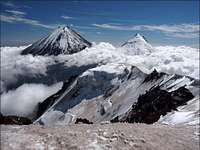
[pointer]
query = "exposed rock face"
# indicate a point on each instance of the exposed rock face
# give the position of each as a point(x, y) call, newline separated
point(83, 120)
point(14, 120)
point(63, 40)
point(154, 76)
point(154, 103)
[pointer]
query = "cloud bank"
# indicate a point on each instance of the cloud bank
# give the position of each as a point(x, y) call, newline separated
point(23, 101)
point(14, 64)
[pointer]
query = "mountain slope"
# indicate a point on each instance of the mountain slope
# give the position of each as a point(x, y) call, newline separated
point(108, 91)
point(63, 40)
point(137, 45)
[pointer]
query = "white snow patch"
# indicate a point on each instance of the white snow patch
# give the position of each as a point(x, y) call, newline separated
point(187, 114)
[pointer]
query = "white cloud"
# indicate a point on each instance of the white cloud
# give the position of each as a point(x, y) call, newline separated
point(113, 27)
point(24, 100)
point(185, 28)
point(67, 17)
point(180, 30)
point(163, 28)
point(14, 64)
point(184, 35)
point(16, 12)
point(15, 16)
point(12, 5)
point(23, 19)
point(8, 4)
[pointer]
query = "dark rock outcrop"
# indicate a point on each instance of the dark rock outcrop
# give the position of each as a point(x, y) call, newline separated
point(83, 120)
point(153, 76)
point(14, 120)
point(154, 103)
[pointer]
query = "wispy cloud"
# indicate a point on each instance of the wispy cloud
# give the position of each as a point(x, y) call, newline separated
point(67, 17)
point(184, 35)
point(15, 16)
point(16, 12)
point(8, 4)
point(98, 32)
point(174, 28)
point(12, 5)
point(180, 30)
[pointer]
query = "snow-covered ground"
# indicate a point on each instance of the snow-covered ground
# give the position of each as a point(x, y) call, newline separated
point(117, 136)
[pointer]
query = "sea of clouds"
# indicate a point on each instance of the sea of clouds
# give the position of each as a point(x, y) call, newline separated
point(22, 101)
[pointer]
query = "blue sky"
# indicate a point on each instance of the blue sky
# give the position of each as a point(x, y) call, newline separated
point(161, 22)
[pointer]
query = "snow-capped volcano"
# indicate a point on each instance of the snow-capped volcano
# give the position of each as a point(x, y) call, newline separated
point(137, 45)
point(63, 40)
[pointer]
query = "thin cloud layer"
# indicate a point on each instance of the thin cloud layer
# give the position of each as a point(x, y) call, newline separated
point(181, 30)
point(16, 12)
point(8, 4)
point(67, 17)
point(16, 16)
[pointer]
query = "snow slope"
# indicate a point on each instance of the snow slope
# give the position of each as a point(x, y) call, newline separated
point(188, 114)
point(63, 40)
point(104, 92)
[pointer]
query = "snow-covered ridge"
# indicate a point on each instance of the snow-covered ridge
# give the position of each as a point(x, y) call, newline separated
point(104, 92)
point(63, 40)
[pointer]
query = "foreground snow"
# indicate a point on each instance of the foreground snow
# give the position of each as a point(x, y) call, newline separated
point(100, 137)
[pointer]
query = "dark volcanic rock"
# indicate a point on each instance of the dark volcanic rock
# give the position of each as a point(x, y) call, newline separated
point(83, 120)
point(14, 120)
point(154, 103)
